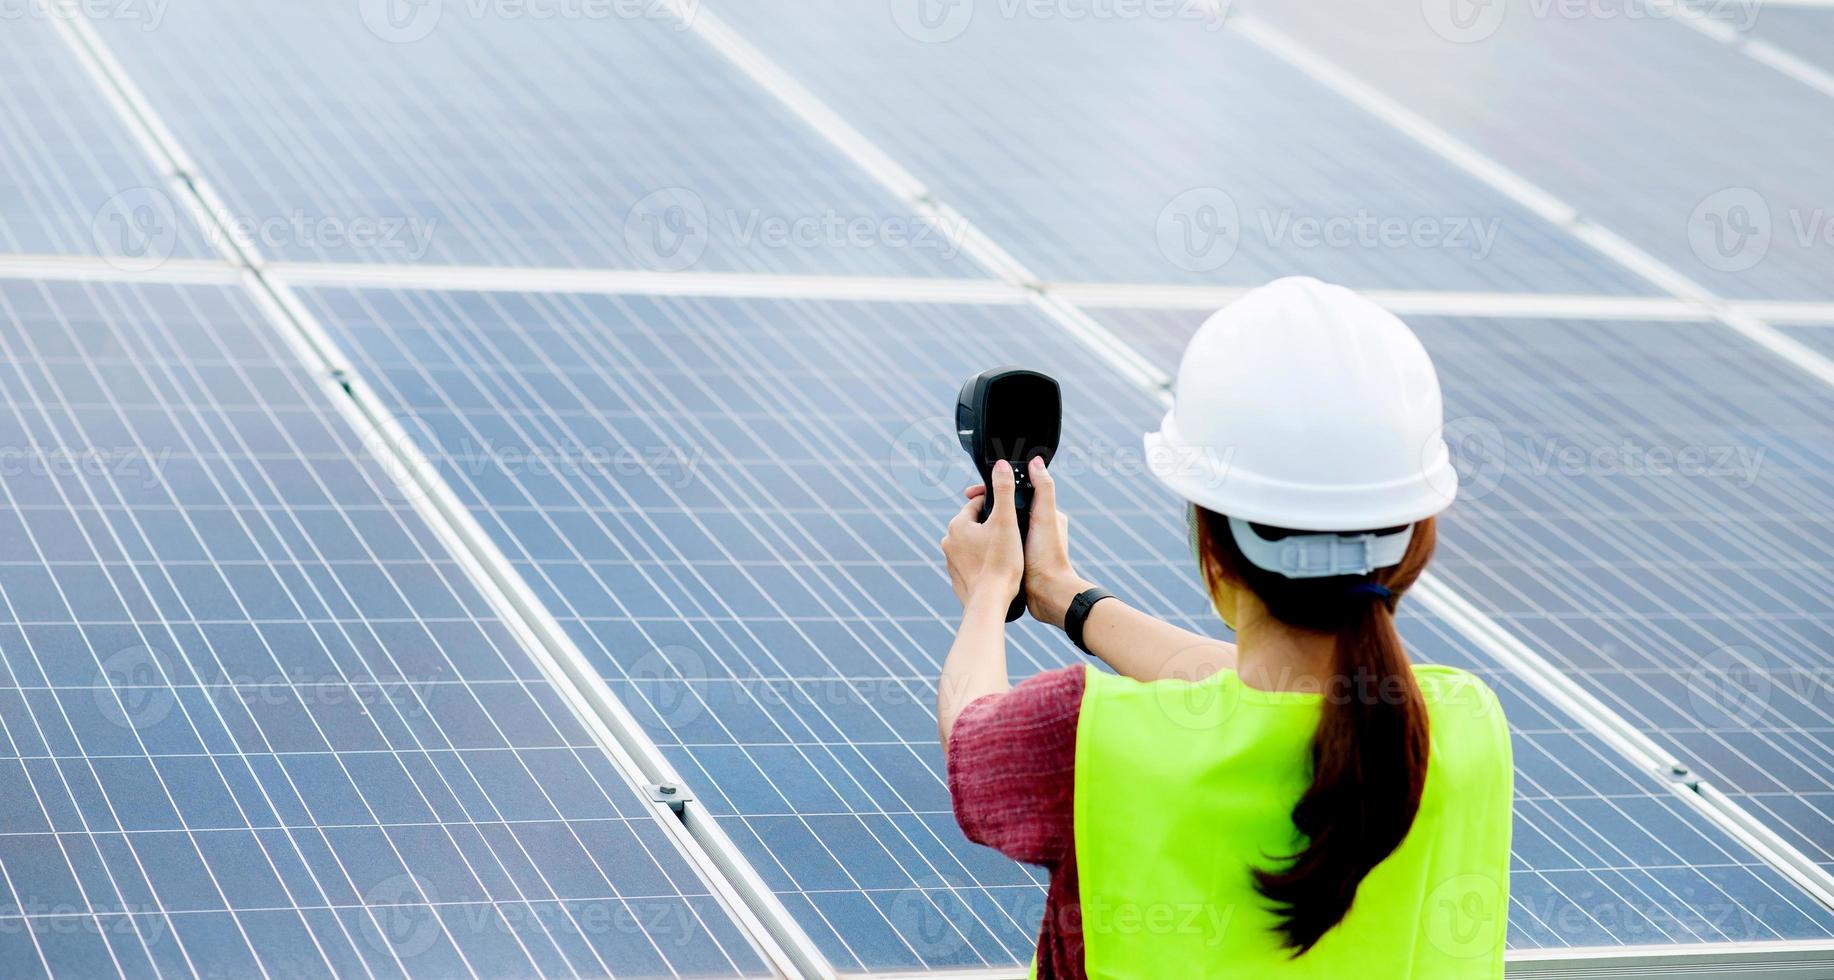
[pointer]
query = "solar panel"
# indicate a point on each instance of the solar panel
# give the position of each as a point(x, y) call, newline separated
point(253, 718)
point(1807, 33)
point(1647, 503)
point(1155, 147)
point(1568, 102)
point(1818, 337)
point(507, 134)
point(1601, 856)
point(732, 506)
point(72, 181)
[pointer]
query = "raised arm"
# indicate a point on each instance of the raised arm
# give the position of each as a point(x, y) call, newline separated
point(985, 562)
point(1126, 639)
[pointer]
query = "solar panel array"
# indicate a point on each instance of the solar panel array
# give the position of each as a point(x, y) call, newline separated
point(255, 719)
point(1159, 149)
point(258, 718)
point(765, 593)
point(341, 132)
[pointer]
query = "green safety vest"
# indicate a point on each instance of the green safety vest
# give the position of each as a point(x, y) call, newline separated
point(1182, 788)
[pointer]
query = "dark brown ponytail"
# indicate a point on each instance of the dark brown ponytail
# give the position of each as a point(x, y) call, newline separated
point(1370, 754)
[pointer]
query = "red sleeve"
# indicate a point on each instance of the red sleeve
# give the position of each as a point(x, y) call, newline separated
point(1012, 767)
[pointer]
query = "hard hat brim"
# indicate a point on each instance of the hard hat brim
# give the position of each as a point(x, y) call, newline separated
point(1204, 475)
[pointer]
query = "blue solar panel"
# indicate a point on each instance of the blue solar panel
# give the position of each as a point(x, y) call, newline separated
point(1601, 857)
point(1156, 148)
point(1806, 32)
point(1570, 101)
point(1819, 337)
point(732, 506)
point(72, 180)
point(586, 135)
point(1648, 504)
point(1680, 480)
point(253, 720)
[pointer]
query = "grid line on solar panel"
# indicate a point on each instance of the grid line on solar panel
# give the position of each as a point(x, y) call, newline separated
point(1817, 337)
point(253, 722)
point(72, 181)
point(431, 151)
point(1648, 505)
point(776, 625)
point(1163, 172)
point(1799, 42)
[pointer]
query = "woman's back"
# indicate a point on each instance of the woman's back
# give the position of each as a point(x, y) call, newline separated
point(1183, 788)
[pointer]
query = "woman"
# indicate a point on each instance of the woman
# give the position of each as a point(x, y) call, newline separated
point(1303, 802)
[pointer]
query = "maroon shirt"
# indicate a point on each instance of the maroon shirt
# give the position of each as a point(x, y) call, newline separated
point(1012, 774)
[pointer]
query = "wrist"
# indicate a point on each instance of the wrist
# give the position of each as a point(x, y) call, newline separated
point(989, 601)
point(1054, 594)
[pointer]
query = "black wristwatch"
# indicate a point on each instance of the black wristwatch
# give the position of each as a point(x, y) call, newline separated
point(1078, 614)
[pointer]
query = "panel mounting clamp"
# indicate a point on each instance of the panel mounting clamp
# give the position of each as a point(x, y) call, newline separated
point(673, 795)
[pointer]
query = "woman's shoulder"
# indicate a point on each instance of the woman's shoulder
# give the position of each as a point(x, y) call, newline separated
point(1453, 691)
point(1466, 718)
point(1439, 682)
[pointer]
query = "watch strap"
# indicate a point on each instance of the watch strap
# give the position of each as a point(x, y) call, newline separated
point(1078, 614)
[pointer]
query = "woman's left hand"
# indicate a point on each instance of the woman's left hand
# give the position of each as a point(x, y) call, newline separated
point(986, 560)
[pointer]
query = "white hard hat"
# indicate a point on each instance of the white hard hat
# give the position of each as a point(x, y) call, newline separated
point(1305, 406)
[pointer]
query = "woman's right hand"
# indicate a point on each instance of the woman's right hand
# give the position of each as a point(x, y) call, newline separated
point(1050, 581)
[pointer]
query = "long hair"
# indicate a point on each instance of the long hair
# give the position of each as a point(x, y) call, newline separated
point(1369, 757)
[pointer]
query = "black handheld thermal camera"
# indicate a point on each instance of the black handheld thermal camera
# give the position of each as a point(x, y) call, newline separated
point(1010, 414)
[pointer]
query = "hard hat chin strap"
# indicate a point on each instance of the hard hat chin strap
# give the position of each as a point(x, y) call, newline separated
point(1323, 554)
